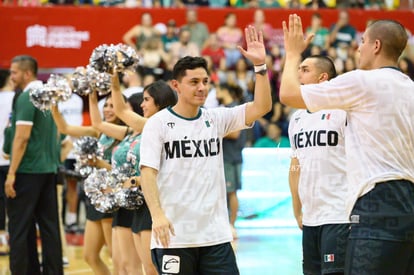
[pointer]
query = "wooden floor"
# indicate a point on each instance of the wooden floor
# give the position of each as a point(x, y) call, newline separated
point(265, 251)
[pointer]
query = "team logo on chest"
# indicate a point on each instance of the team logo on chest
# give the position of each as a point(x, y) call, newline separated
point(187, 148)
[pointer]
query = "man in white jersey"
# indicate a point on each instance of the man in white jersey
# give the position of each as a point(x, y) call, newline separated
point(379, 102)
point(319, 193)
point(182, 168)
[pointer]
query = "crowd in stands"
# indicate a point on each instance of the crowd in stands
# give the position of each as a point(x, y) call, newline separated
point(161, 45)
point(291, 4)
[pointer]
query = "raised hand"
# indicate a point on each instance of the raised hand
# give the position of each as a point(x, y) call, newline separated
point(293, 36)
point(256, 51)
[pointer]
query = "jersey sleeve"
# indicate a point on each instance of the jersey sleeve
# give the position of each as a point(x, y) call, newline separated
point(25, 110)
point(151, 144)
point(233, 118)
point(342, 92)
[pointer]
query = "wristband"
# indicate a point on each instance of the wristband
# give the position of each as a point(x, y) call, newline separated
point(260, 69)
point(11, 176)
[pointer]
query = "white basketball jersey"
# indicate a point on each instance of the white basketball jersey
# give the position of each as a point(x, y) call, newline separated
point(318, 139)
point(188, 156)
point(380, 132)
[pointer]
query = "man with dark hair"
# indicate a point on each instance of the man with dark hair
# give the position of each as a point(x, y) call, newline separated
point(31, 180)
point(182, 173)
point(317, 177)
point(379, 102)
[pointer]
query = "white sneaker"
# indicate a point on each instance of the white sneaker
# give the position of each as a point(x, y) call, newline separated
point(65, 262)
point(4, 244)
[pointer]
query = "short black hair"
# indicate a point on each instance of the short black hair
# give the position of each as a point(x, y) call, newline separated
point(392, 35)
point(188, 63)
point(27, 63)
point(325, 65)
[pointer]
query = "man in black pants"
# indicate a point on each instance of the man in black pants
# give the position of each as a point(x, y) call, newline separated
point(31, 180)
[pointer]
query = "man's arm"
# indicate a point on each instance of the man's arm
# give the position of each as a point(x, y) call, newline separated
point(294, 173)
point(161, 226)
point(20, 141)
point(295, 44)
point(256, 53)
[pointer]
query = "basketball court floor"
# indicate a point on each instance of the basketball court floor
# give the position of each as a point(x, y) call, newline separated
point(264, 251)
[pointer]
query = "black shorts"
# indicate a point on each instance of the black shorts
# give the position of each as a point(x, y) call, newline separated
point(214, 260)
point(69, 170)
point(141, 219)
point(381, 239)
point(94, 215)
point(122, 217)
point(324, 248)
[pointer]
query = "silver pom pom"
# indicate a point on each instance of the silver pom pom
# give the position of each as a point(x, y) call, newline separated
point(56, 89)
point(86, 149)
point(107, 58)
point(99, 186)
point(130, 198)
point(125, 58)
point(80, 82)
point(100, 81)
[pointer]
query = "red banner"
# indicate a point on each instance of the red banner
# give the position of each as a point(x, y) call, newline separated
point(64, 37)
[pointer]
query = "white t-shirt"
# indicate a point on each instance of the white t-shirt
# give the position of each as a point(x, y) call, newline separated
point(318, 140)
point(72, 110)
point(188, 156)
point(6, 101)
point(380, 132)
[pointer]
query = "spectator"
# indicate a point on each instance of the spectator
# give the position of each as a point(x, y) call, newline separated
point(273, 138)
point(183, 47)
point(213, 49)
point(196, 3)
point(321, 38)
point(343, 35)
point(132, 81)
point(265, 4)
point(233, 144)
point(198, 30)
point(259, 22)
point(316, 4)
point(170, 35)
point(242, 76)
point(230, 36)
point(138, 34)
point(153, 56)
